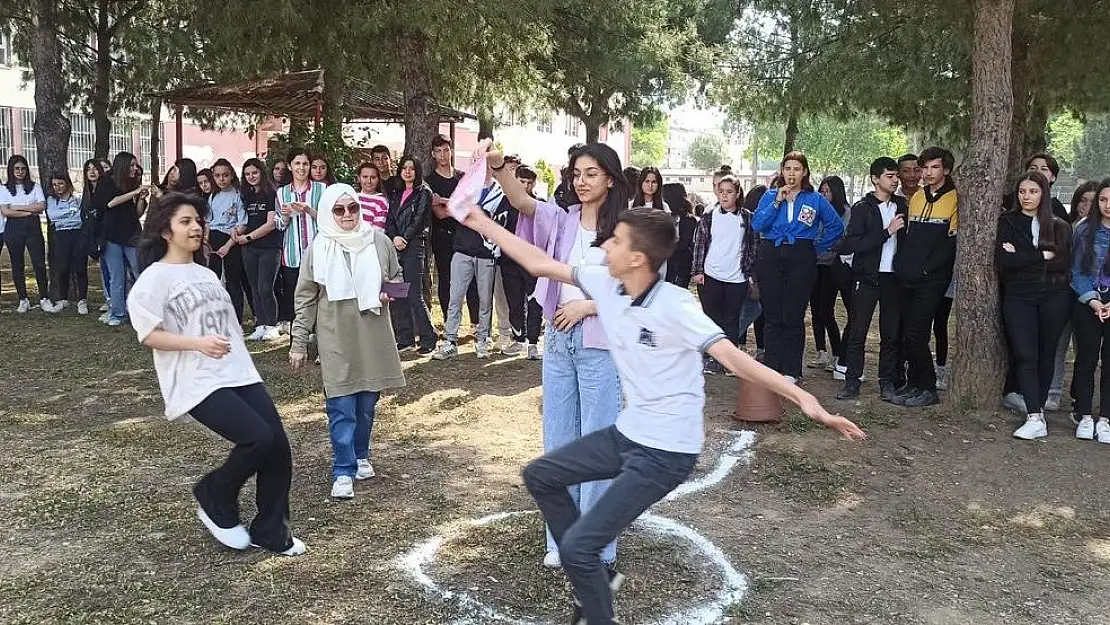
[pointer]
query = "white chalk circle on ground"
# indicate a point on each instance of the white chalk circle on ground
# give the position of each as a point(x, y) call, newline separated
point(733, 583)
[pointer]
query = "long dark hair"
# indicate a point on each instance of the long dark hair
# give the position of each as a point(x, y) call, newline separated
point(329, 178)
point(1077, 197)
point(674, 194)
point(800, 157)
point(87, 190)
point(735, 182)
point(751, 200)
point(27, 184)
point(839, 195)
point(64, 177)
point(617, 198)
point(223, 162)
point(121, 172)
point(152, 245)
point(1092, 222)
point(416, 181)
point(265, 186)
point(207, 173)
point(1047, 237)
point(657, 199)
point(186, 176)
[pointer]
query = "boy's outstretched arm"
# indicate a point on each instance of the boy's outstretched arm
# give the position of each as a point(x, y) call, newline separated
point(751, 370)
point(534, 260)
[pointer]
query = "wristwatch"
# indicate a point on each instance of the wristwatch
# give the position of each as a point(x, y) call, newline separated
point(248, 238)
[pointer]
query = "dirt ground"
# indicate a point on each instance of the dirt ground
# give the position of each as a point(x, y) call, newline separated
point(941, 518)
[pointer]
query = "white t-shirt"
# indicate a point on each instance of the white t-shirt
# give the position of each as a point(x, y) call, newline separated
point(657, 344)
point(5, 200)
point(726, 243)
point(20, 198)
point(886, 259)
point(189, 300)
point(582, 252)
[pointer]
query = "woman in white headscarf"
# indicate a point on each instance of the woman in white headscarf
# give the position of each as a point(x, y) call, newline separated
point(339, 293)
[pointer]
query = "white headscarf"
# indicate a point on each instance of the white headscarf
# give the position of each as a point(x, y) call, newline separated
point(345, 261)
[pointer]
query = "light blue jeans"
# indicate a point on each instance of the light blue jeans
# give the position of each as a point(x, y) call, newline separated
point(350, 421)
point(581, 394)
point(121, 259)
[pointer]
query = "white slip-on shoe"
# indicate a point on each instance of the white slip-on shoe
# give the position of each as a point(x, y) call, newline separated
point(234, 537)
point(552, 560)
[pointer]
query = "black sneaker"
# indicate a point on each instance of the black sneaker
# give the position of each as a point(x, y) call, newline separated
point(902, 395)
point(850, 390)
point(887, 391)
point(922, 399)
point(404, 346)
point(426, 349)
point(616, 580)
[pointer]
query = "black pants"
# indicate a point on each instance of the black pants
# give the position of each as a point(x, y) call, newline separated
point(261, 268)
point(757, 329)
point(229, 267)
point(940, 330)
point(409, 314)
point(525, 314)
point(1092, 345)
point(919, 307)
point(831, 280)
point(786, 275)
point(887, 295)
point(1033, 323)
point(247, 417)
point(70, 260)
point(286, 287)
point(722, 302)
point(443, 251)
point(24, 236)
point(679, 266)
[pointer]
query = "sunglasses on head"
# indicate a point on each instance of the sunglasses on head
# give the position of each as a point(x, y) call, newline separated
point(350, 209)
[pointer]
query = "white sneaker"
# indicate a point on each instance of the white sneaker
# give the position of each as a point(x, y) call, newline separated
point(83, 307)
point(552, 560)
point(61, 305)
point(256, 335)
point(1102, 431)
point(1035, 428)
point(832, 365)
point(343, 487)
point(235, 537)
point(104, 317)
point(105, 307)
point(534, 352)
point(48, 306)
point(1086, 429)
point(840, 372)
point(24, 306)
point(513, 349)
point(298, 548)
point(445, 350)
point(271, 334)
point(112, 323)
point(1015, 402)
point(482, 349)
point(820, 360)
point(365, 469)
point(942, 377)
point(1053, 401)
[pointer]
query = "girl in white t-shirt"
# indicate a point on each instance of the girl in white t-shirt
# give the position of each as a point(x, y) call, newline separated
point(180, 310)
point(649, 190)
point(22, 207)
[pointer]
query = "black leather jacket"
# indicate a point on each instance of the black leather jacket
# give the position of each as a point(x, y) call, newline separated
point(409, 220)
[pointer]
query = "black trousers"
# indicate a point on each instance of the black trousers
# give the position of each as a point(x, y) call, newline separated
point(940, 330)
point(525, 313)
point(23, 236)
point(679, 266)
point(786, 275)
point(261, 268)
point(229, 267)
point(286, 287)
point(1092, 345)
point(443, 251)
point(70, 259)
point(721, 302)
point(831, 280)
point(246, 416)
point(919, 307)
point(887, 295)
point(409, 314)
point(1033, 322)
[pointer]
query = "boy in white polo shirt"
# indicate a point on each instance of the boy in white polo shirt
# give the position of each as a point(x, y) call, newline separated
point(657, 334)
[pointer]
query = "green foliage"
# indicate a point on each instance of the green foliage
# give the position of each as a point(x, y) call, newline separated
point(327, 141)
point(707, 152)
point(1092, 156)
point(831, 145)
point(649, 143)
point(1064, 133)
point(547, 174)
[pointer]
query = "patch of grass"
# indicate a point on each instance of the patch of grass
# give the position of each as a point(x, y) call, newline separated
point(800, 478)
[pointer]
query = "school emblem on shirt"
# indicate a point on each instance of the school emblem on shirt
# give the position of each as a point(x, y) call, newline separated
point(807, 215)
point(647, 337)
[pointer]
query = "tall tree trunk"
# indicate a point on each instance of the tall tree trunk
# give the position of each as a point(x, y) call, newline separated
point(155, 139)
point(980, 358)
point(52, 128)
point(102, 82)
point(421, 120)
point(485, 121)
point(791, 131)
point(593, 130)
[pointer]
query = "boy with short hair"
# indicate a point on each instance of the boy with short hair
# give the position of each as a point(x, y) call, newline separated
point(657, 334)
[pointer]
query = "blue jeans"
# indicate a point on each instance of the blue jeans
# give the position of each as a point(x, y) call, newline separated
point(105, 277)
point(641, 476)
point(581, 394)
point(121, 259)
point(350, 420)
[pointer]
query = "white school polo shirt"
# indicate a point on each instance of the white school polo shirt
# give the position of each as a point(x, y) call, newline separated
point(657, 342)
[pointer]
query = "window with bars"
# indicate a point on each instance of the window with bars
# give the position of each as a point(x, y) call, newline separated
point(573, 125)
point(545, 124)
point(82, 138)
point(30, 149)
point(146, 152)
point(5, 49)
point(7, 139)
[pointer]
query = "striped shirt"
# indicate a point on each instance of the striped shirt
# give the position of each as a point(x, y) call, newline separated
point(299, 228)
point(375, 208)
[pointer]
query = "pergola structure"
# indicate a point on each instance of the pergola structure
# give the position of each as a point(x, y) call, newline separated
point(299, 95)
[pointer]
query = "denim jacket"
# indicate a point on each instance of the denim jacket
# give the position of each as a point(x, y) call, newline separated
point(814, 219)
point(1087, 285)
